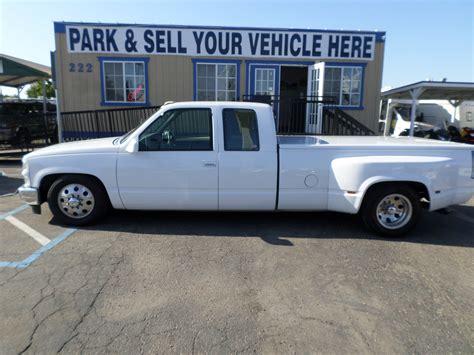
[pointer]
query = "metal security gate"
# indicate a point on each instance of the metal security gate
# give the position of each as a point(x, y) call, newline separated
point(295, 119)
point(81, 125)
point(28, 130)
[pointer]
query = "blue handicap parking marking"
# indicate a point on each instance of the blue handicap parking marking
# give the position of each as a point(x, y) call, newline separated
point(39, 252)
point(12, 212)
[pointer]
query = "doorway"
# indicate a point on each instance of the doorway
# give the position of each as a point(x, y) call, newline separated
point(293, 91)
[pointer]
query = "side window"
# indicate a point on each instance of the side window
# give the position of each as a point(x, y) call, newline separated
point(240, 130)
point(181, 129)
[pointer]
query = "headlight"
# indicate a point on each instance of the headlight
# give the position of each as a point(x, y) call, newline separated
point(26, 172)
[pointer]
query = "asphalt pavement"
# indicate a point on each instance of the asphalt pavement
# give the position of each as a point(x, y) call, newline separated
point(180, 282)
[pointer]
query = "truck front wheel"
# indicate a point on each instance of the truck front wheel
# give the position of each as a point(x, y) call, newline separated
point(77, 200)
point(391, 210)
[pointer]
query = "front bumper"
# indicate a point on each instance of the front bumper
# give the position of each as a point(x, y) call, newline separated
point(30, 195)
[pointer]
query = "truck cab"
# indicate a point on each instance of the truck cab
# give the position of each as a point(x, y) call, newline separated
point(207, 157)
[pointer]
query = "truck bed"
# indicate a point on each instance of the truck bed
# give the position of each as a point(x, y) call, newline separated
point(372, 142)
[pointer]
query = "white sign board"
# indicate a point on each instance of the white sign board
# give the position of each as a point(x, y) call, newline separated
point(220, 42)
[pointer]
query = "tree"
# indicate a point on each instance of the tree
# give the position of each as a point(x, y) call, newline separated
point(36, 90)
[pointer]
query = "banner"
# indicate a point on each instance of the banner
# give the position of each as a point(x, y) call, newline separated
point(220, 42)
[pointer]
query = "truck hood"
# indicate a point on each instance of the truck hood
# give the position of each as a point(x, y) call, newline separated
point(92, 146)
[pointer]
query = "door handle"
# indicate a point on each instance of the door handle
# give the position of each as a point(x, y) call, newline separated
point(209, 163)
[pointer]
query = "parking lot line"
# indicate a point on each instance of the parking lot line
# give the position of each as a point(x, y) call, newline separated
point(40, 238)
point(30, 259)
point(12, 212)
point(27, 261)
point(46, 243)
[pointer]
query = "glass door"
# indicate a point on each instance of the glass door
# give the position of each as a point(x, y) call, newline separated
point(314, 107)
point(265, 85)
point(265, 82)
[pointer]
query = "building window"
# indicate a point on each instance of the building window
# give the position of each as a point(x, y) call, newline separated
point(264, 81)
point(124, 82)
point(344, 84)
point(216, 81)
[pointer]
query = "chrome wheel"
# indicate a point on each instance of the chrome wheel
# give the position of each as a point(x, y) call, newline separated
point(394, 211)
point(76, 201)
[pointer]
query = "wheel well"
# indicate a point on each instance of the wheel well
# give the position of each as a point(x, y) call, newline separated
point(48, 180)
point(419, 187)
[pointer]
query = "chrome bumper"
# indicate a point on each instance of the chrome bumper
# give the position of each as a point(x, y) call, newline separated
point(29, 194)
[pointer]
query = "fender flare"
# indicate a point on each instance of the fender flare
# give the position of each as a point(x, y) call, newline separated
point(372, 181)
point(44, 173)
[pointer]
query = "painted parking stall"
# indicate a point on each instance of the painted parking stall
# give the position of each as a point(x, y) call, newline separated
point(25, 230)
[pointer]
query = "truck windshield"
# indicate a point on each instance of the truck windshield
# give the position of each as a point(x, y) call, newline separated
point(126, 135)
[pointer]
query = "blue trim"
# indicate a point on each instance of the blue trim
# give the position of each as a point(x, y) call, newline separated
point(60, 27)
point(345, 64)
point(251, 77)
point(102, 81)
point(379, 35)
point(214, 61)
point(276, 78)
point(278, 63)
point(362, 82)
point(281, 62)
point(247, 64)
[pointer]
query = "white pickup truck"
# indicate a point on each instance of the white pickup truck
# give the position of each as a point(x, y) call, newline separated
point(226, 156)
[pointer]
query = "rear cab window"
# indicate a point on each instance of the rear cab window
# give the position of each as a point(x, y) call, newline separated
point(240, 130)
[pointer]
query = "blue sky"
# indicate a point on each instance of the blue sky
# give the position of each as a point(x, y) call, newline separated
point(425, 39)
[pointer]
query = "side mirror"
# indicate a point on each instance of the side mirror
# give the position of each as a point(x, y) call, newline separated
point(132, 146)
point(166, 136)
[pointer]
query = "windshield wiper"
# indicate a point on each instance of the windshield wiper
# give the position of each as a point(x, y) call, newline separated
point(125, 136)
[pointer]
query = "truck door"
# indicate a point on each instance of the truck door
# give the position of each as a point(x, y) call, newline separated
point(314, 108)
point(247, 161)
point(175, 167)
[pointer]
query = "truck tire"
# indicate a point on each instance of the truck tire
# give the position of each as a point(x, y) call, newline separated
point(77, 200)
point(391, 210)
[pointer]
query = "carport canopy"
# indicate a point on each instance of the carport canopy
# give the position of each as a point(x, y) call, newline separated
point(16, 72)
point(454, 92)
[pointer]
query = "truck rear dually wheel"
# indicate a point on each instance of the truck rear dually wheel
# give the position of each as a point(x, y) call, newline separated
point(77, 200)
point(391, 211)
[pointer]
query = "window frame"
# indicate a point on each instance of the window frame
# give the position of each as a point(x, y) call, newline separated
point(122, 60)
point(267, 70)
point(211, 135)
point(341, 66)
point(224, 135)
point(216, 62)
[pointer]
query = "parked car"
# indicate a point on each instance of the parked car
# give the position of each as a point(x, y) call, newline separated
point(22, 121)
point(226, 156)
